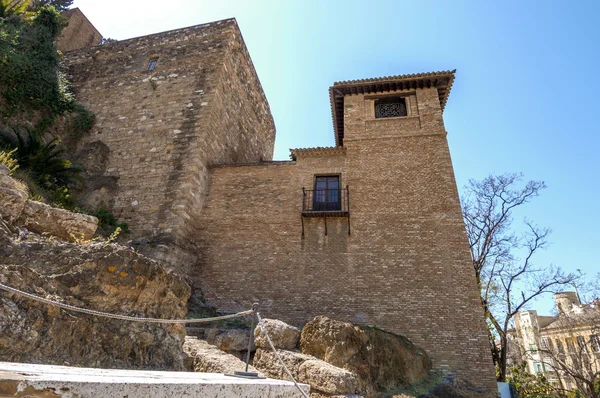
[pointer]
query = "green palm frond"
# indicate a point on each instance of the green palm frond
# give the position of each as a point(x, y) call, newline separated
point(13, 7)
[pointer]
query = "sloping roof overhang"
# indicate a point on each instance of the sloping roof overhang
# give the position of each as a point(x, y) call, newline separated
point(441, 80)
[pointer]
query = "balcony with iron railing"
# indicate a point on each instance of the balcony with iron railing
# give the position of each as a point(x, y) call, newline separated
point(326, 203)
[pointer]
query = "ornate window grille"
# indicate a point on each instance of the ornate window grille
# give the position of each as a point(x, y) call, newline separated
point(152, 64)
point(393, 107)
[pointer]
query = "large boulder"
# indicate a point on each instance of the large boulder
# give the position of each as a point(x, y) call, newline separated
point(229, 339)
point(266, 361)
point(16, 208)
point(200, 356)
point(42, 218)
point(99, 276)
point(382, 361)
point(327, 378)
point(323, 378)
point(283, 336)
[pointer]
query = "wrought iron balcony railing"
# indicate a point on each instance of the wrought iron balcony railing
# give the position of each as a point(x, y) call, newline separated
point(326, 203)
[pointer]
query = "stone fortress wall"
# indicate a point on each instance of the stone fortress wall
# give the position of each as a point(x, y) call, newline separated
point(157, 132)
point(78, 33)
point(183, 154)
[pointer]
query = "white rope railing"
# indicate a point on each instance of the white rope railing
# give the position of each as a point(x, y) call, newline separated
point(122, 317)
point(158, 320)
point(264, 330)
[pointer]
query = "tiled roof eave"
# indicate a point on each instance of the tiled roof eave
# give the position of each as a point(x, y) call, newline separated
point(443, 80)
point(316, 151)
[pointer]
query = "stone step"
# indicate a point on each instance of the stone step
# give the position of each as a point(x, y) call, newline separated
point(32, 380)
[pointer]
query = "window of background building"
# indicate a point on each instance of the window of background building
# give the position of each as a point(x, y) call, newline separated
point(390, 107)
point(545, 343)
point(533, 347)
point(539, 368)
point(581, 344)
point(595, 342)
point(559, 347)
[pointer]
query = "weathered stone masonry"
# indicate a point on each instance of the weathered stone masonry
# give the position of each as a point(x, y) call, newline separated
point(183, 154)
point(160, 130)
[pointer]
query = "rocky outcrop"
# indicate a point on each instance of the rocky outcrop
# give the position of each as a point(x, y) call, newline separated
point(201, 356)
point(99, 276)
point(381, 360)
point(42, 218)
point(230, 340)
point(341, 359)
point(323, 378)
point(282, 335)
point(18, 209)
point(266, 361)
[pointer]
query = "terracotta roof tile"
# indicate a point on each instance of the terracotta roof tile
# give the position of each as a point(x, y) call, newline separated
point(443, 80)
point(315, 151)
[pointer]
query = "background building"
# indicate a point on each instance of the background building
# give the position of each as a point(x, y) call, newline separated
point(565, 348)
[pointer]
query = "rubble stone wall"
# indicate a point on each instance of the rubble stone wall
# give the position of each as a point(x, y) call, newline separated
point(78, 33)
point(202, 104)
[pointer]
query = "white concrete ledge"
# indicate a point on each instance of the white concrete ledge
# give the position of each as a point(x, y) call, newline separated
point(31, 380)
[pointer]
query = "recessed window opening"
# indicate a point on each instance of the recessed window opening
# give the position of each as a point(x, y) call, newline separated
point(327, 195)
point(152, 64)
point(390, 107)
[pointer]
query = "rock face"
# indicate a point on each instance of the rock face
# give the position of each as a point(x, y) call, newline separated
point(322, 377)
point(266, 361)
point(99, 276)
point(41, 218)
point(229, 339)
point(17, 208)
point(201, 356)
point(381, 361)
point(13, 195)
point(341, 359)
point(282, 335)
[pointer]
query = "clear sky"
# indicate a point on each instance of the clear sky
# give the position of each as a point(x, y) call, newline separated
point(524, 98)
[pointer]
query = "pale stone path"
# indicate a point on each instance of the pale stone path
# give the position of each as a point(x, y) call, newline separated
point(31, 380)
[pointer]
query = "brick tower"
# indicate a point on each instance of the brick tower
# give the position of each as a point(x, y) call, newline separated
point(369, 231)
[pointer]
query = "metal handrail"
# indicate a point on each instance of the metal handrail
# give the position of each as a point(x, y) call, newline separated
point(325, 200)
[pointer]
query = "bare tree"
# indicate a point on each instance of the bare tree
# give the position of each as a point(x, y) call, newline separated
point(503, 261)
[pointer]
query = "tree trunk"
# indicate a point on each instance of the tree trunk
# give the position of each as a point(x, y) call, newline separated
point(502, 358)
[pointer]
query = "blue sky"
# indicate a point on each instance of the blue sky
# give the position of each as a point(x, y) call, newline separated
point(524, 98)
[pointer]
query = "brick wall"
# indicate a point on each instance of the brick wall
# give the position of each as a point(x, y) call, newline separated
point(201, 105)
point(405, 267)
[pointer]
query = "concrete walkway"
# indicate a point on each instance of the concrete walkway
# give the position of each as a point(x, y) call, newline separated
point(49, 381)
